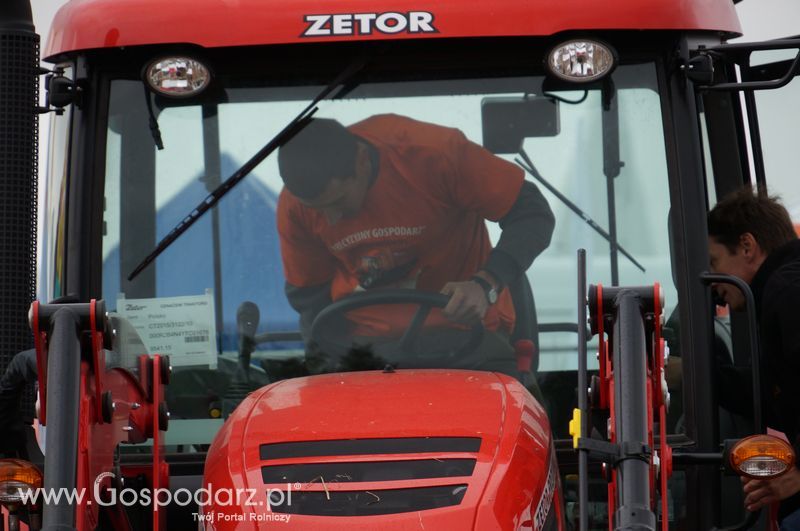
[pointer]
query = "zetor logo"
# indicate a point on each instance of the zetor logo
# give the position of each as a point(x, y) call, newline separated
point(368, 23)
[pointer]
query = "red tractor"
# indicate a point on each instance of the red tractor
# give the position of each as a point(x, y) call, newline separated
point(176, 388)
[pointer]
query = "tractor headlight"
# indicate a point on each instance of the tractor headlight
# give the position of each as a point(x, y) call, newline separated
point(178, 77)
point(17, 476)
point(761, 457)
point(581, 60)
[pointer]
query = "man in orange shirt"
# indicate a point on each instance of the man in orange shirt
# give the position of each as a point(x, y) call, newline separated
point(394, 202)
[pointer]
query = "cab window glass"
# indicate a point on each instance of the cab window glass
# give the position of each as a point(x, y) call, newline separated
point(191, 303)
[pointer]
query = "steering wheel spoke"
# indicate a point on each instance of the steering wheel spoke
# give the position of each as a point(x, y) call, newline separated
point(412, 333)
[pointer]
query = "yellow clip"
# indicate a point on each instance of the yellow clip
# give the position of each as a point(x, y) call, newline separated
point(575, 427)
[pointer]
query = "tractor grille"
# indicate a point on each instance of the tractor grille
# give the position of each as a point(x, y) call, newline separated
point(369, 471)
point(368, 500)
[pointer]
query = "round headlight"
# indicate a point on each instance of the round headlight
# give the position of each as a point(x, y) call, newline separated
point(761, 457)
point(16, 477)
point(178, 77)
point(581, 61)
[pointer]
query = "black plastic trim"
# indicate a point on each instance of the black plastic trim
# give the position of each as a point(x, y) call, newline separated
point(411, 445)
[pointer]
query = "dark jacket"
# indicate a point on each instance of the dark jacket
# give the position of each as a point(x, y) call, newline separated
point(21, 372)
point(776, 289)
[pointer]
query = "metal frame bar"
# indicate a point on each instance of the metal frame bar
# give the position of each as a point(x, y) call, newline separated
point(688, 200)
point(744, 49)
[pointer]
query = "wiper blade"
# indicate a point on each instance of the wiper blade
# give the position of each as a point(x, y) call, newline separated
point(527, 165)
point(291, 129)
point(155, 131)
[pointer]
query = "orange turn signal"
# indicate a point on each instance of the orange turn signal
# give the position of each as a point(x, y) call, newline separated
point(17, 475)
point(762, 457)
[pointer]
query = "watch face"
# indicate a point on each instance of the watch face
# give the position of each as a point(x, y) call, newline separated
point(491, 293)
point(492, 296)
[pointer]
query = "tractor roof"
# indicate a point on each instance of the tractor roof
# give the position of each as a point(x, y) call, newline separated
point(91, 24)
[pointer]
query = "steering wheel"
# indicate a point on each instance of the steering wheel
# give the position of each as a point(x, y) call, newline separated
point(335, 312)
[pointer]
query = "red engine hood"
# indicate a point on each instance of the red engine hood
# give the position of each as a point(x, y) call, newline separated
point(474, 445)
point(376, 404)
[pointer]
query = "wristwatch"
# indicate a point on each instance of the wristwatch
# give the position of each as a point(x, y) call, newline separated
point(488, 289)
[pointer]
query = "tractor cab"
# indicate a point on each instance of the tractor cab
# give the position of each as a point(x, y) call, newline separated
point(165, 200)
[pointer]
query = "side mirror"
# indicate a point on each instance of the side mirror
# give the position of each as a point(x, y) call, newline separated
point(508, 121)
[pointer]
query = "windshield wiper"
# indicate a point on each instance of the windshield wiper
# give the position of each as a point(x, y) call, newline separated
point(527, 164)
point(291, 129)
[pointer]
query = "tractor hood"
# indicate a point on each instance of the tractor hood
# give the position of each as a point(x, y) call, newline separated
point(453, 449)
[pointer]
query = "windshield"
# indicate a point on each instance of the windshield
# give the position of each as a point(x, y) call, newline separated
point(423, 185)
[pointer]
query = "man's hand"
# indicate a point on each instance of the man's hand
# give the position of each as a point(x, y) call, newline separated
point(467, 304)
point(759, 493)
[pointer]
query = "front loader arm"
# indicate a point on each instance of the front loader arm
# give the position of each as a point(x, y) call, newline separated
point(89, 410)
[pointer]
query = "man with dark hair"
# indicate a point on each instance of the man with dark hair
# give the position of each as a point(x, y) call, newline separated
point(751, 236)
point(394, 202)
